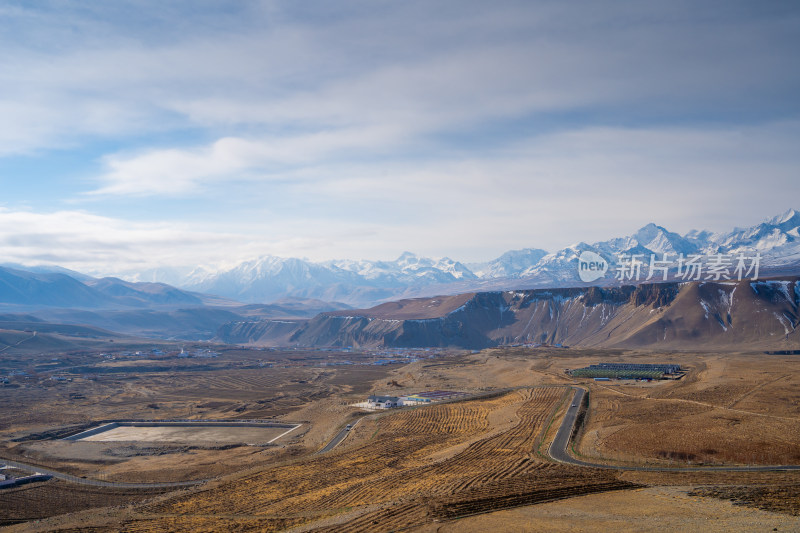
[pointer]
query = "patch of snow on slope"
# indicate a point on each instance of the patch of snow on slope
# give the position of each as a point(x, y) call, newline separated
point(458, 309)
point(705, 307)
point(782, 319)
point(783, 287)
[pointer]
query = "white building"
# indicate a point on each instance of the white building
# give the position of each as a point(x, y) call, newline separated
point(383, 402)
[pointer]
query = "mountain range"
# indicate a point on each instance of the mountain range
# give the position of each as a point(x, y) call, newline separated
point(366, 283)
point(272, 299)
point(693, 315)
point(44, 296)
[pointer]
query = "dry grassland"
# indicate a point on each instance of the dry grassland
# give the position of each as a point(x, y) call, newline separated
point(316, 396)
point(631, 511)
point(414, 468)
point(406, 469)
point(732, 410)
point(36, 501)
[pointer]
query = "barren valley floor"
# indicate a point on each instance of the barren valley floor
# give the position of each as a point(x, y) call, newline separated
point(472, 465)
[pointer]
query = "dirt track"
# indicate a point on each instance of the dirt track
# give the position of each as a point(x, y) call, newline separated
point(98, 483)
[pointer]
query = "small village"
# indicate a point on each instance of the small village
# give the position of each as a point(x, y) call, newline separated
point(410, 400)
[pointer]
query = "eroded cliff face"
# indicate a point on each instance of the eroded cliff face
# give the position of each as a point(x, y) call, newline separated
point(669, 315)
point(260, 332)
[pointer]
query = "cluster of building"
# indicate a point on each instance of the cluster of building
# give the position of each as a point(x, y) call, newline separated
point(198, 353)
point(420, 398)
point(158, 353)
point(646, 371)
point(8, 480)
point(534, 345)
point(6, 380)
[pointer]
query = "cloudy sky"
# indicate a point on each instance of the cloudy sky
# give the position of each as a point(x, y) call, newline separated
point(136, 134)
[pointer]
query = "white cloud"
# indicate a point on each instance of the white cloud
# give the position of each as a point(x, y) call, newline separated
point(96, 244)
point(546, 191)
point(679, 176)
point(409, 66)
point(177, 172)
point(590, 185)
point(362, 129)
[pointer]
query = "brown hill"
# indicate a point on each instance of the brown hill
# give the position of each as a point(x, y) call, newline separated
point(745, 314)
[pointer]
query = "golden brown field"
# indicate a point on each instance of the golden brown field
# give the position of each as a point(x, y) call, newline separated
point(33, 415)
point(630, 511)
point(429, 463)
point(423, 467)
point(732, 410)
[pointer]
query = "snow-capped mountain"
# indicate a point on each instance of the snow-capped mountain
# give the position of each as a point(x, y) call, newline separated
point(270, 278)
point(170, 275)
point(559, 268)
point(364, 282)
point(776, 240)
point(653, 239)
point(509, 265)
point(407, 269)
point(768, 237)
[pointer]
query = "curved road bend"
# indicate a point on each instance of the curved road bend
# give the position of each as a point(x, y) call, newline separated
point(558, 450)
point(98, 483)
point(335, 441)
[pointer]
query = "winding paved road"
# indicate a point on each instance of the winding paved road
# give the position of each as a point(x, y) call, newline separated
point(334, 442)
point(559, 449)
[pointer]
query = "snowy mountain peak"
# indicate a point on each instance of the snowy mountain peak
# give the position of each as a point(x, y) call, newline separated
point(700, 239)
point(367, 282)
point(508, 265)
point(652, 232)
point(659, 240)
point(790, 219)
point(650, 229)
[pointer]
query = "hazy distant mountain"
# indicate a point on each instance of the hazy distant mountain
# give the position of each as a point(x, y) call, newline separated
point(362, 282)
point(408, 269)
point(176, 276)
point(271, 278)
point(509, 265)
point(52, 301)
point(142, 294)
point(48, 269)
point(54, 289)
point(20, 287)
point(194, 323)
point(289, 289)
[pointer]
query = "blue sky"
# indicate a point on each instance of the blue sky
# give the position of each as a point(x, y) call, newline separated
point(141, 134)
